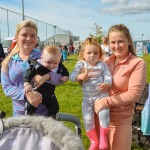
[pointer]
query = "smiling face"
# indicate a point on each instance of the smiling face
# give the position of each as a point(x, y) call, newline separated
point(49, 60)
point(27, 39)
point(119, 44)
point(91, 54)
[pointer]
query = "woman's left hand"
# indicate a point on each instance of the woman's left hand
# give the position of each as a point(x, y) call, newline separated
point(97, 106)
point(39, 80)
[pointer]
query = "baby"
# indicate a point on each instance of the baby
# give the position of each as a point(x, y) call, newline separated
point(50, 61)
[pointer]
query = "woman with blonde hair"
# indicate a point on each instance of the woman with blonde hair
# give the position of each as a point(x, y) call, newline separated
point(15, 65)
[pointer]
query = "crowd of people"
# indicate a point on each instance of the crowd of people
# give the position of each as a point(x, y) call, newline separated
point(112, 78)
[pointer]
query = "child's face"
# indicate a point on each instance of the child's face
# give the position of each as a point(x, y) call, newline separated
point(91, 54)
point(50, 61)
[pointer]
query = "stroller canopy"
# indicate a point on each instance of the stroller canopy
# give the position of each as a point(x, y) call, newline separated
point(37, 133)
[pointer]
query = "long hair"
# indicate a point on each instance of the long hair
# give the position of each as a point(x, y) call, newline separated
point(90, 41)
point(26, 23)
point(122, 28)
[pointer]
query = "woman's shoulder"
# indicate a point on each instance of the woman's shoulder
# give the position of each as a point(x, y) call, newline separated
point(136, 59)
point(36, 53)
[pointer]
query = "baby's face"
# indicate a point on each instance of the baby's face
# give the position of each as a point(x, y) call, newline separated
point(92, 55)
point(50, 61)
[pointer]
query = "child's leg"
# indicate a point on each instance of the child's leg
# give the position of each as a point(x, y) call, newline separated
point(41, 110)
point(88, 117)
point(104, 118)
point(52, 105)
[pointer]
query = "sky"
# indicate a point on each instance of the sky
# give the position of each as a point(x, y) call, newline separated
point(79, 16)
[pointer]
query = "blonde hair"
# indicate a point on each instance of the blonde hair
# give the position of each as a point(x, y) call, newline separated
point(90, 41)
point(51, 49)
point(25, 23)
point(123, 29)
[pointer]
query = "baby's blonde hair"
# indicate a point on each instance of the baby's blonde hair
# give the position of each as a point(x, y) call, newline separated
point(52, 49)
point(90, 41)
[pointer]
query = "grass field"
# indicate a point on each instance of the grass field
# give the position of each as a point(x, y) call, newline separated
point(69, 96)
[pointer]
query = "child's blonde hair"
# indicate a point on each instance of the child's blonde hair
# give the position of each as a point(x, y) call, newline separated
point(90, 41)
point(25, 23)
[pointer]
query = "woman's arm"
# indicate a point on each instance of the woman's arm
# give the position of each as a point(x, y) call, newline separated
point(10, 89)
point(136, 84)
point(51, 77)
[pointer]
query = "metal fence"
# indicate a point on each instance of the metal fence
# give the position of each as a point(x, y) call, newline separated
point(9, 19)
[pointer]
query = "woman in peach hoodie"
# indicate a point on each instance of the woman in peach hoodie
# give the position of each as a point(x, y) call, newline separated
point(129, 78)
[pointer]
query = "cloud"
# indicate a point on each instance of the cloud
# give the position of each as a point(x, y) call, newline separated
point(124, 7)
point(140, 20)
point(114, 1)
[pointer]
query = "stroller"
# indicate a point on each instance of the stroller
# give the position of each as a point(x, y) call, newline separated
point(138, 137)
point(39, 133)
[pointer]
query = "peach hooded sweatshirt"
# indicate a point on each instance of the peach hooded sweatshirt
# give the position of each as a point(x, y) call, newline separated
point(129, 79)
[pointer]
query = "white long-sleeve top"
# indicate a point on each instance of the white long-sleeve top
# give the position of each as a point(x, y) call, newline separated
point(98, 74)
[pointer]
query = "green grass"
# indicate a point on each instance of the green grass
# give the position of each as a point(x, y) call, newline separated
point(70, 97)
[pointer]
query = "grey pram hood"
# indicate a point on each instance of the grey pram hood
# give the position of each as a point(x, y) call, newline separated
point(38, 133)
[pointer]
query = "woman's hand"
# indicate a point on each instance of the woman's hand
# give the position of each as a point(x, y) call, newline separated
point(97, 106)
point(34, 98)
point(39, 80)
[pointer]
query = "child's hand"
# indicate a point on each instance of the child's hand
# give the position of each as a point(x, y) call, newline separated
point(82, 77)
point(64, 79)
point(82, 70)
point(103, 87)
point(28, 88)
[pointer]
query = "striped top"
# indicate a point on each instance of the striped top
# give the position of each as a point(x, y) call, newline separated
point(12, 81)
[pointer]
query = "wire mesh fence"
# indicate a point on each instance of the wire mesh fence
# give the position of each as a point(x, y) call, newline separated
point(48, 33)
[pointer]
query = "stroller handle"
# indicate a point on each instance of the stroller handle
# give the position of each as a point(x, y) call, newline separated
point(70, 118)
point(2, 114)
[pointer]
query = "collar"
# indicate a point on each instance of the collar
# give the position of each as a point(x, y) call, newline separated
point(35, 54)
point(113, 57)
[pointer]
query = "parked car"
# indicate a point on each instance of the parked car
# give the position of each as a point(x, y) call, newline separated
point(8, 41)
point(6, 44)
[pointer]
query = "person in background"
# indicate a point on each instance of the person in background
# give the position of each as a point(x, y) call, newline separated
point(94, 74)
point(13, 44)
point(129, 79)
point(50, 61)
point(105, 47)
point(15, 65)
point(64, 54)
point(71, 49)
point(2, 56)
point(148, 48)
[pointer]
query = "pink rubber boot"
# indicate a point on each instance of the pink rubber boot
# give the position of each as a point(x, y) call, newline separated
point(103, 144)
point(93, 139)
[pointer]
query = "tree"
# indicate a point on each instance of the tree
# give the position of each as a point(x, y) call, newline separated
point(98, 32)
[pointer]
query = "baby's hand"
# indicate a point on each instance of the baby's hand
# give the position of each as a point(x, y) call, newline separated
point(103, 87)
point(28, 88)
point(64, 79)
point(82, 70)
point(82, 77)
